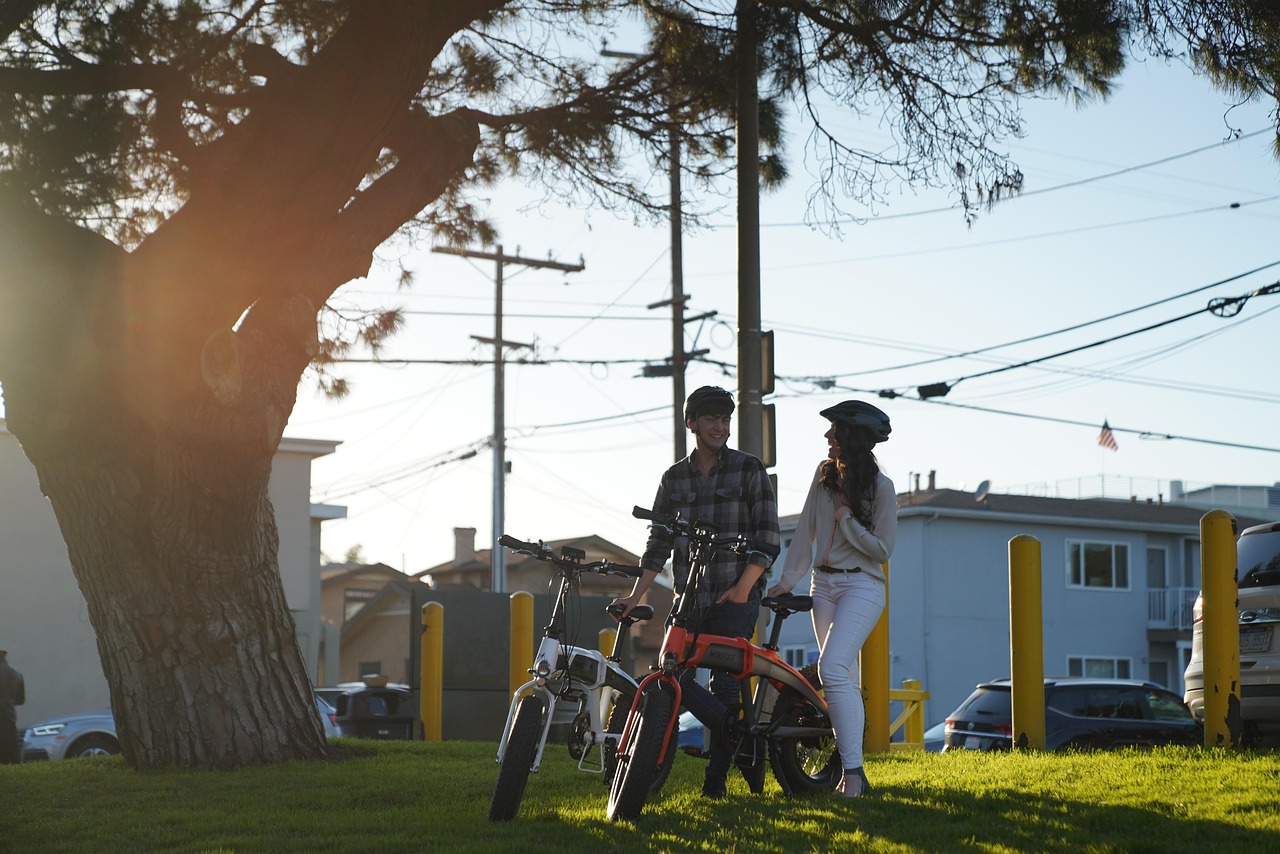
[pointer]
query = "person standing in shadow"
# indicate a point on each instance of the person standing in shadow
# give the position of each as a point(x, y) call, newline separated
point(12, 693)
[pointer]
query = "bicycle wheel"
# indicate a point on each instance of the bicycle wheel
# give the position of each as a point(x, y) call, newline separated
point(809, 763)
point(617, 721)
point(639, 764)
point(517, 759)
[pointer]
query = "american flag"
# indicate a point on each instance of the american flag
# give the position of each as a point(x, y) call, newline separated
point(1106, 438)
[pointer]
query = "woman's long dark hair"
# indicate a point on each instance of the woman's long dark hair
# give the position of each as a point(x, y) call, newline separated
point(854, 472)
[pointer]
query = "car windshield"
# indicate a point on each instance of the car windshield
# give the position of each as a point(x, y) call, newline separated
point(1258, 556)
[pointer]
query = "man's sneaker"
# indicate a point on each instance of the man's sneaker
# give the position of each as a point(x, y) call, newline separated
point(714, 789)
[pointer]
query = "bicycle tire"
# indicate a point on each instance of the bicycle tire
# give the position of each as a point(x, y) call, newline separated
point(808, 764)
point(613, 729)
point(639, 764)
point(517, 759)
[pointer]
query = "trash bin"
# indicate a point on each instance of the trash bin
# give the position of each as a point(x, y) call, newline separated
point(372, 710)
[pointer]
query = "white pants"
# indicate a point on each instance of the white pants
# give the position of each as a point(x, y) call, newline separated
point(846, 607)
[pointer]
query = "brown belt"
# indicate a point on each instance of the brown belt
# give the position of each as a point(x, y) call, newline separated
point(837, 569)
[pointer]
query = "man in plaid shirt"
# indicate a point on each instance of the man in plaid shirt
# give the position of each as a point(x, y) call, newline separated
point(730, 490)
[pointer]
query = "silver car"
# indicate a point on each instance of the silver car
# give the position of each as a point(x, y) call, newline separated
point(94, 734)
point(1258, 568)
point(70, 737)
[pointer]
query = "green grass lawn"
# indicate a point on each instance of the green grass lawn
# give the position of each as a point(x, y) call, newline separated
point(411, 796)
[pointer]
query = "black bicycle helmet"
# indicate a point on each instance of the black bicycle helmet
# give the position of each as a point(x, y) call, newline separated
point(708, 400)
point(856, 413)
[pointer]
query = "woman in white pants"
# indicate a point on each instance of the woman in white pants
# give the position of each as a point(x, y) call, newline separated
point(845, 532)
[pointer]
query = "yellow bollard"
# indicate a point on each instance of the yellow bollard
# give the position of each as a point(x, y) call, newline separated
point(431, 700)
point(1221, 629)
point(874, 664)
point(606, 641)
point(521, 639)
point(1026, 642)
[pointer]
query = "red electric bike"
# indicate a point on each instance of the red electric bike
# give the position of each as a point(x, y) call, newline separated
point(783, 717)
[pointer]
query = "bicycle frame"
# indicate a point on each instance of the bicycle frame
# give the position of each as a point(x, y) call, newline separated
point(762, 725)
point(684, 647)
point(566, 676)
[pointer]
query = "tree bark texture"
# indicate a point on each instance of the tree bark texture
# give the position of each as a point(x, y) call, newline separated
point(150, 389)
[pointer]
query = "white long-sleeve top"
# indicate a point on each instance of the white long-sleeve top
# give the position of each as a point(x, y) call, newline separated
point(830, 536)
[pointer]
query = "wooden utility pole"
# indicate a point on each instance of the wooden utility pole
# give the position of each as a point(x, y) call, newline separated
point(499, 562)
point(750, 364)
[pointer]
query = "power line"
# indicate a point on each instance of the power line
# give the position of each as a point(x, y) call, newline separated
point(379, 480)
point(1061, 331)
point(531, 316)
point(489, 362)
point(1145, 434)
point(1216, 306)
point(1055, 188)
point(1004, 240)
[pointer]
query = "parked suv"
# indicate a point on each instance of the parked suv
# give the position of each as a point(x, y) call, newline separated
point(1258, 571)
point(1080, 713)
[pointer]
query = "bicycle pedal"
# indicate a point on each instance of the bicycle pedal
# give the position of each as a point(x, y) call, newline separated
point(696, 752)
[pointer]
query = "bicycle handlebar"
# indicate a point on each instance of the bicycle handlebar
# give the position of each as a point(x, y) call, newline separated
point(541, 551)
point(676, 525)
point(520, 546)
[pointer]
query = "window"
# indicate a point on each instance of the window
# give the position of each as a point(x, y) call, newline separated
point(1099, 565)
point(1166, 707)
point(1191, 564)
point(796, 656)
point(1098, 701)
point(370, 668)
point(1098, 668)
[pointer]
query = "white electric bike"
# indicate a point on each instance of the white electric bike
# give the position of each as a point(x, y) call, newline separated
point(570, 684)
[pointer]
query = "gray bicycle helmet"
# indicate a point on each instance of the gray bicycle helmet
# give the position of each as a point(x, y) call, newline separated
point(708, 400)
point(856, 413)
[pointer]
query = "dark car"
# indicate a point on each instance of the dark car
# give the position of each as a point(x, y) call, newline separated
point(1080, 714)
point(372, 708)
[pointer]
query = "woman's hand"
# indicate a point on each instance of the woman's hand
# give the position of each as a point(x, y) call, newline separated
point(777, 590)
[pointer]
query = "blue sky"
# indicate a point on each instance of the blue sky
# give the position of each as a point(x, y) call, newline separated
point(1092, 236)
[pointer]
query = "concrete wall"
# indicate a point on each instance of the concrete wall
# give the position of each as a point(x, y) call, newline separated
point(44, 622)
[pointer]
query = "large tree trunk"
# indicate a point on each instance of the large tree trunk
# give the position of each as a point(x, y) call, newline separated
point(157, 468)
point(174, 548)
point(150, 389)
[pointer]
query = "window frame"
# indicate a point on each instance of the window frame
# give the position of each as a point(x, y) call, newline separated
point(1083, 662)
point(1080, 568)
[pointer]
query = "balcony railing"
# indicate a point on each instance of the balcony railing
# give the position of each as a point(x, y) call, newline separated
point(1171, 607)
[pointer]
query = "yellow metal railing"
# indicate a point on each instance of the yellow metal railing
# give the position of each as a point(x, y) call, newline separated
point(911, 719)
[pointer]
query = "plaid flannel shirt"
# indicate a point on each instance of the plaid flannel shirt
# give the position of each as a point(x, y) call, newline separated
point(736, 497)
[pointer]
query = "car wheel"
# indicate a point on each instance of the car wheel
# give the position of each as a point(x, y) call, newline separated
point(93, 745)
